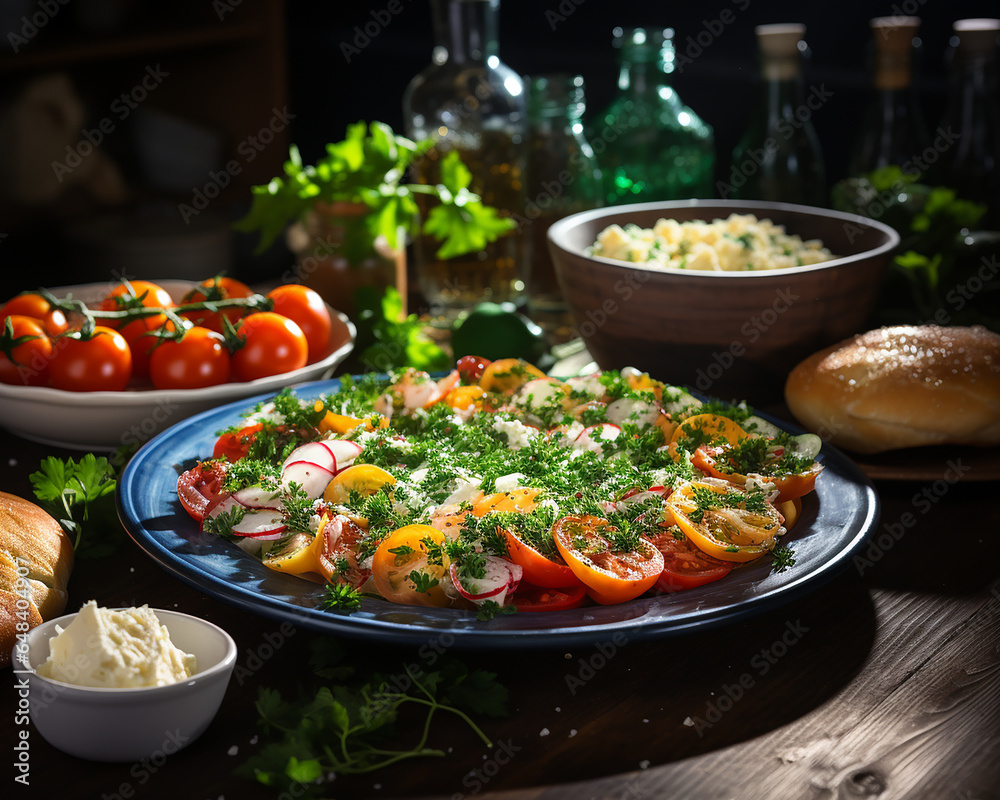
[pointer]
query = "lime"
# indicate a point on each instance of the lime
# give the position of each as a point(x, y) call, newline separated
point(496, 331)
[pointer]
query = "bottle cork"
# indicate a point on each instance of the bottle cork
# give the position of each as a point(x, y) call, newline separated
point(977, 36)
point(893, 47)
point(779, 49)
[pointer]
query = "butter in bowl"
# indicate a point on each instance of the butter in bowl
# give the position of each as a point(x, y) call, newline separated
point(122, 685)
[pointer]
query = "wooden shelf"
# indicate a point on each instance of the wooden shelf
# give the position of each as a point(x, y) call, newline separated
point(70, 52)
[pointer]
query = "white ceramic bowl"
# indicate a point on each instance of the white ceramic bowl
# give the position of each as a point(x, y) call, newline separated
point(121, 725)
point(109, 420)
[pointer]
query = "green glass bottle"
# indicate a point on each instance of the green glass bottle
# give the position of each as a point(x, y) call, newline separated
point(561, 177)
point(650, 146)
point(779, 157)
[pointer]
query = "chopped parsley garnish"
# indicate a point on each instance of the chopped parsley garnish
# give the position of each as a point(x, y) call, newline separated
point(782, 558)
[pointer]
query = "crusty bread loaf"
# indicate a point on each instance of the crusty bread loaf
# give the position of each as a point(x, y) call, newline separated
point(904, 386)
point(32, 540)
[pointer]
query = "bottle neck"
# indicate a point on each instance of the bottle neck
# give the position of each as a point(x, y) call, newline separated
point(466, 30)
point(641, 77)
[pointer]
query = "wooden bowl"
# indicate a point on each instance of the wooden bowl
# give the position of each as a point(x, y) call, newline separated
point(724, 333)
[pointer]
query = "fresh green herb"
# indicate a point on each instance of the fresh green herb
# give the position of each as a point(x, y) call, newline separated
point(81, 497)
point(782, 558)
point(344, 724)
point(341, 596)
point(221, 524)
point(488, 609)
point(297, 508)
point(368, 167)
point(422, 581)
point(387, 340)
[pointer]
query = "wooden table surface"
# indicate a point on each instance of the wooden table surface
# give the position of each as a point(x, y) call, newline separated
point(885, 683)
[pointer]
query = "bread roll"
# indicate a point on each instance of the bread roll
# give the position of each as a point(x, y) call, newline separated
point(905, 386)
point(32, 540)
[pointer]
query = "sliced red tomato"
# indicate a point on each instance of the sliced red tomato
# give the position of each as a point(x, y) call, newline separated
point(685, 566)
point(200, 488)
point(234, 445)
point(338, 557)
point(537, 598)
point(549, 572)
point(611, 575)
point(713, 461)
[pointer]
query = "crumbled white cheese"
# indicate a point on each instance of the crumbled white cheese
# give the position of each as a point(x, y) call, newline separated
point(518, 434)
point(507, 483)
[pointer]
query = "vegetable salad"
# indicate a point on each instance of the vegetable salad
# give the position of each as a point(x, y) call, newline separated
point(498, 489)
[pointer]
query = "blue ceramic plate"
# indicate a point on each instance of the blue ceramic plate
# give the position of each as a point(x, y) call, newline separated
point(836, 519)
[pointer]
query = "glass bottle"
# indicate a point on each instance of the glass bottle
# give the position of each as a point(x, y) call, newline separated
point(970, 130)
point(561, 177)
point(468, 100)
point(651, 146)
point(779, 157)
point(892, 131)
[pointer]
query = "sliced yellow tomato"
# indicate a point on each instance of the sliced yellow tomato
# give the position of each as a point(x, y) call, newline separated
point(365, 479)
point(464, 397)
point(791, 510)
point(449, 518)
point(705, 428)
point(508, 375)
point(716, 519)
point(611, 576)
point(520, 500)
point(341, 423)
point(409, 566)
point(300, 554)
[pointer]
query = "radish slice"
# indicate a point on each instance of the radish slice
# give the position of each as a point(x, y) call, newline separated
point(263, 524)
point(542, 395)
point(594, 437)
point(258, 497)
point(588, 386)
point(343, 451)
point(312, 477)
point(494, 585)
point(316, 452)
point(222, 507)
point(642, 413)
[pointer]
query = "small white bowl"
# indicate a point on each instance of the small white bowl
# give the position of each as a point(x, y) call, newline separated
point(122, 725)
point(108, 420)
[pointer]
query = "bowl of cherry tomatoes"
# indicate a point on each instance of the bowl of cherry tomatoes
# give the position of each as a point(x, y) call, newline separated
point(104, 366)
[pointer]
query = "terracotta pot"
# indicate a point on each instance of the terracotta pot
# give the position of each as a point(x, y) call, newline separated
point(734, 334)
point(332, 264)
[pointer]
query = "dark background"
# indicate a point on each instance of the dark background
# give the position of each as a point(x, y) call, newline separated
point(326, 92)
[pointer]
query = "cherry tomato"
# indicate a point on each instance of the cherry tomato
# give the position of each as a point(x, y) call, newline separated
point(25, 352)
point(274, 344)
point(200, 488)
point(403, 553)
point(37, 307)
point(471, 368)
point(101, 363)
point(718, 521)
point(235, 445)
point(307, 309)
point(218, 288)
point(685, 566)
point(197, 360)
point(136, 294)
point(611, 576)
point(714, 461)
point(536, 598)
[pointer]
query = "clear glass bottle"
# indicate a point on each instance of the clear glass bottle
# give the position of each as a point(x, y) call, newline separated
point(970, 163)
point(892, 130)
point(561, 177)
point(779, 157)
point(651, 146)
point(470, 101)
